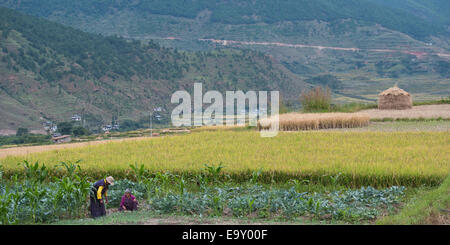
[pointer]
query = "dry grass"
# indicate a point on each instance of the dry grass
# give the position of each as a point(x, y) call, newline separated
point(314, 121)
point(394, 99)
point(217, 128)
point(424, 111)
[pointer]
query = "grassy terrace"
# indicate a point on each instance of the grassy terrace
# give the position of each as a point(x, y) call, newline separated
point(360, 158)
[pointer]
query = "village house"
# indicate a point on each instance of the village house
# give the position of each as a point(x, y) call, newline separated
point(62, 139)
point(76, 118)
point(110, 127)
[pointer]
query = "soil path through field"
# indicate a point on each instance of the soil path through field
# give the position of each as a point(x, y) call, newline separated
point(25, 150)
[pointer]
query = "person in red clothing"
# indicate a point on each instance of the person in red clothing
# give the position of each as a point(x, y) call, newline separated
point(128, 202)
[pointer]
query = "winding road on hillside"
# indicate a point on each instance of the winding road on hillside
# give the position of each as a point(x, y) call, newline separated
point(418, 54)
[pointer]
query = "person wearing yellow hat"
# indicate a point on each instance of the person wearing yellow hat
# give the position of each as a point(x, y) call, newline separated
point(100, 189)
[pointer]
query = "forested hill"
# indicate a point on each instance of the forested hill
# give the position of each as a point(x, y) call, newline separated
point(49, 71)
point(417, 18)
point(436, 11)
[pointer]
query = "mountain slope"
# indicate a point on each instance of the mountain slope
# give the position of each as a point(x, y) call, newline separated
point(243, 12)
point(436, 11)
point(56, 71)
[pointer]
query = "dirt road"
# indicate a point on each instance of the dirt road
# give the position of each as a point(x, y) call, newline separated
point(418, 54)
point(423, 111)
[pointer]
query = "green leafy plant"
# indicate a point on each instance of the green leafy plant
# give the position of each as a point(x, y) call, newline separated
point(214, 172)
point(35, 172)
point(335, 179)
point(255, 175)
point(71, 167)
point(139, 171)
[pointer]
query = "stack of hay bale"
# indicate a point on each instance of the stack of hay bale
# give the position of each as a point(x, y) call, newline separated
point(394, 98)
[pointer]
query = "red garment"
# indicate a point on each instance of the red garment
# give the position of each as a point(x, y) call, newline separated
point(124, 197)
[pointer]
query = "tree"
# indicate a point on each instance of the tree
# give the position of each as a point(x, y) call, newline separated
point(65, 128)
point(21, 131)
point(80, 131)
point(326, 80)
point(128, 125)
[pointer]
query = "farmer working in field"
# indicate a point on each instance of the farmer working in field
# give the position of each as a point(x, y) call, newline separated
point(99, 189)
point(128, 202)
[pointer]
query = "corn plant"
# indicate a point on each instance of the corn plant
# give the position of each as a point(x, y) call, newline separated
point(213, 172)
point(35, 201)
point(71, 167)
point(181, 184)
point(335, 179)
point(255, 176)
point(298, 183)
point(35, 172)
point(163, 179)
point(139, 171)
point(5, 203)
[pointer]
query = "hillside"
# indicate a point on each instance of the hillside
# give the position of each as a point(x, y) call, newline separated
point(366, 45)
point(249, 12)
point(436, 11)
point(50, 72)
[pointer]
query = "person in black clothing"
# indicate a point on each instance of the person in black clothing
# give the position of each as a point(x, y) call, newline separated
point(100, 189)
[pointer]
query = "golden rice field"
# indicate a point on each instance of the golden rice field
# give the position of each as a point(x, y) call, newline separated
point(313, 121)
point(362, 158)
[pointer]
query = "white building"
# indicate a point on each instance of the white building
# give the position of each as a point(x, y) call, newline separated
point(76, 118)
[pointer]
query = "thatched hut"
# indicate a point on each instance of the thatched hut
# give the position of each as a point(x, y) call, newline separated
point(394, 98)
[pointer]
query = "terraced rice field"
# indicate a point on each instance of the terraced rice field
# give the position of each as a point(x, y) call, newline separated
point(361, 158)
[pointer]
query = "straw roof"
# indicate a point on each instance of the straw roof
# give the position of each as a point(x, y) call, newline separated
point(394, 91)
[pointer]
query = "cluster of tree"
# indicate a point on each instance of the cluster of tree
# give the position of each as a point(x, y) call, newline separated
point(84, 53)
point(443, 68)
point(68, 128)
point(130, 125)
point(56, 51)
point(24, 137)
point(327, 80)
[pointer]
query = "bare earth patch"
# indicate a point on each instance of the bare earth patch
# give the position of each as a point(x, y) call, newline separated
point(423, 111)
point(193, 221)
point(442, 218)
point(401, 126)
point(6, 132)
point(183, 220)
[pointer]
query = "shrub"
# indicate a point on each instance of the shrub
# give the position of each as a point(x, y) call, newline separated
point(80, 131)
point(65, 127)
point(316, 99)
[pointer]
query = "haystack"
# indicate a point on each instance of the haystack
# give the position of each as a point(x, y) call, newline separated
point(394, 98)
